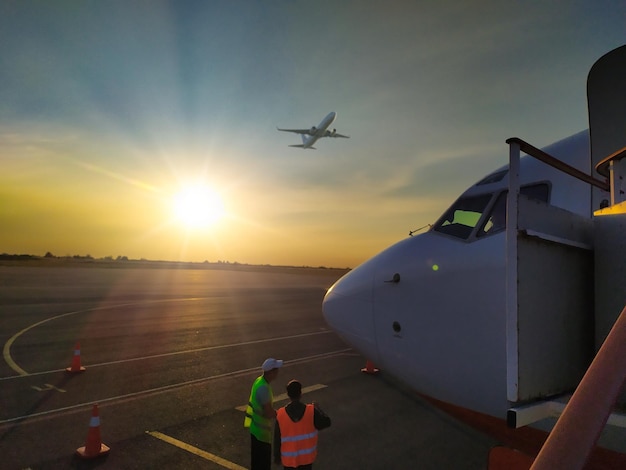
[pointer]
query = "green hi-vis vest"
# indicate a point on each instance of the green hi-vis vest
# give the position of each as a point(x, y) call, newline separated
point(260, 426)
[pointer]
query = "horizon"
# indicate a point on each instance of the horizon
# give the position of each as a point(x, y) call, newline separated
point(122, 259)
point(152, 131)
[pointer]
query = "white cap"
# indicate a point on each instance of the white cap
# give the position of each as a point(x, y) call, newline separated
point(271, 363)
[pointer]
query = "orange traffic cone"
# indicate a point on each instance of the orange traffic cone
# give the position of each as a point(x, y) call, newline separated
point(76, 367)
point(369, 368)
point(94, 446)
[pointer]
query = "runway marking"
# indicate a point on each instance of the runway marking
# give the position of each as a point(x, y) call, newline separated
point(6, 352)
point(165, 388)
point(175, 353)
point(284, 396)
point(194, 450)
point(48, 387)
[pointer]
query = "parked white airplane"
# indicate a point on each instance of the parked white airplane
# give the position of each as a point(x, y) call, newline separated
point(310, 136)
point(431, 308)
point(480, 312)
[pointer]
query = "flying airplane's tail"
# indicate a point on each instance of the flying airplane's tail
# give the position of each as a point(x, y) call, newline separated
point(302, 146)
point(304, 143)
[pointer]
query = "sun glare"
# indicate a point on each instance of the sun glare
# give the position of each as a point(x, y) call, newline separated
point(198, 206)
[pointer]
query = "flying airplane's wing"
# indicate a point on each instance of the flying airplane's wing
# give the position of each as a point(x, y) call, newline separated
point(297, 131)
point(333, 133)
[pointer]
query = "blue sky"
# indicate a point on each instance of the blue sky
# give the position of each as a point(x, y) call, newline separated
point(107, 109)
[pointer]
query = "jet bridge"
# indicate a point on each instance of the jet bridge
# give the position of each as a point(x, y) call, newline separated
point(549, 270)
point(607, 124)
point(566, 273)
point(565, 289)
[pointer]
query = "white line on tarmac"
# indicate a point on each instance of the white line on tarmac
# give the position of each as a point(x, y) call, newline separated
point(6, 351)
point(155, 356)
point(194, 450)
point(166, 388)
point(284, 396)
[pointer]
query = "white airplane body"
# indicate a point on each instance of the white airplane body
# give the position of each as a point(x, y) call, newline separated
point(312, 135)
point(432, 309)
point(441, 328)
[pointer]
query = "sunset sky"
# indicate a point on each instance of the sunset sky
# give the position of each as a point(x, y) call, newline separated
point(109, 110)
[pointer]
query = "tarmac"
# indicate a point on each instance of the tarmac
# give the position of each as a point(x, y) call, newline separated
point(169, 359)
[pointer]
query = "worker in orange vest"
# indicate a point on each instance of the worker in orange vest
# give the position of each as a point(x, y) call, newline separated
point(295, 433)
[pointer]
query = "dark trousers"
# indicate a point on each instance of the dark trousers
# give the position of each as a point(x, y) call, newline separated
point(261, 454)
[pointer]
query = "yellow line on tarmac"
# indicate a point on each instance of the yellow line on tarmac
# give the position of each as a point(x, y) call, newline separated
point(194, 450)
point(284, 396)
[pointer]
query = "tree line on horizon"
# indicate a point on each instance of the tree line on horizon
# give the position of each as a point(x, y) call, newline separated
point(49, 255)
point(10, 256)
point(122, 258)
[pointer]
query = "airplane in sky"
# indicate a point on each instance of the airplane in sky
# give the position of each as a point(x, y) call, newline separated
point(310, 136)
point(491, 312)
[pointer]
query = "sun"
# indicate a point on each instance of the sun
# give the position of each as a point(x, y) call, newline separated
point(197, 206)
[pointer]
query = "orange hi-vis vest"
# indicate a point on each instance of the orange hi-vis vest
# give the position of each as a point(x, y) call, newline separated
point(298, 441)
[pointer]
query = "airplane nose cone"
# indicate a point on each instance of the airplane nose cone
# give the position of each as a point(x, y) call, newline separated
point(348, 310)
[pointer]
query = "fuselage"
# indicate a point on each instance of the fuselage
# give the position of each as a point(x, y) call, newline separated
point(319, 131)
point(431, 308)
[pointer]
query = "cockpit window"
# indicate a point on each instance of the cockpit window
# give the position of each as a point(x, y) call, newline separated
point(497, 218)
point(539, 191)
point(463, 216)
point(493, 178)
point(466, 213)
point(496, 222)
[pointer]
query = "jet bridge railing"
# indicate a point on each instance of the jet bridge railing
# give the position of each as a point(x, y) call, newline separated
point(559, 165)
point(603, 166)
point(614, 169)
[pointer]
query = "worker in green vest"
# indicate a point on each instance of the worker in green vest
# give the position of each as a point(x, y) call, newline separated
point(260, 414)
